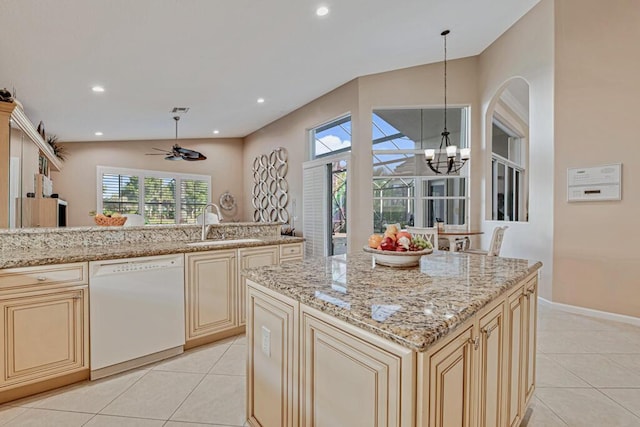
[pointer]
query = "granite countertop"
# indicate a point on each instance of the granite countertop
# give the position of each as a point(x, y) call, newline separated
point(413, 307)
point(29, 257)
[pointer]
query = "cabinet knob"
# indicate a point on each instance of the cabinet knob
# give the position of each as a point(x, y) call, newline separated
point(488, 331)
point(41, 279)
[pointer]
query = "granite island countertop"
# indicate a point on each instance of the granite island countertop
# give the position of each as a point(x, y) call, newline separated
point(413, 307)
point(35, 256)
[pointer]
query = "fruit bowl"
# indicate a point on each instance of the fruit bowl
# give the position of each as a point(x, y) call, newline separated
point(110, 221)
point(397, 259)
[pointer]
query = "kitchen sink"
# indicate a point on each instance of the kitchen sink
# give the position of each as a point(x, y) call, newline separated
point(222, 242)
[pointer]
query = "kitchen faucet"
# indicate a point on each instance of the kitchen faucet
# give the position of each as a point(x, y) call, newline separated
point(205, 229)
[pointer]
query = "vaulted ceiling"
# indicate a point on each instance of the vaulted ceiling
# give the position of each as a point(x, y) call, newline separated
point(217, 57)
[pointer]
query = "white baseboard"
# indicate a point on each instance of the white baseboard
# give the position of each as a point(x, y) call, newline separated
point(590, 312)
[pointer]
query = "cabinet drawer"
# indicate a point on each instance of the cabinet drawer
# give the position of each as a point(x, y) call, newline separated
point(69, 274)
point(291, 250)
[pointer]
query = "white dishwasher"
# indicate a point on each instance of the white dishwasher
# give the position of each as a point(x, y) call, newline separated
point(136, 312)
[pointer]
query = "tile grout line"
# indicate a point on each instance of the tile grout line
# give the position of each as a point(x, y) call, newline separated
point(550, 409)
point(117, 396)
point(197, 385)
point(618, 403)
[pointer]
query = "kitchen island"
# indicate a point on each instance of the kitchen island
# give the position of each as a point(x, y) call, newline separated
point(341, 341)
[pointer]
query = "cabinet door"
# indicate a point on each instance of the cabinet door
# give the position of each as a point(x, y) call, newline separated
point(515, 365)
point(272, 347)
point(43, 335)
point(210, 292)
point(252, 257)
point(531, 295)
point(450, 382)
point(490, 367)
point(345, 381)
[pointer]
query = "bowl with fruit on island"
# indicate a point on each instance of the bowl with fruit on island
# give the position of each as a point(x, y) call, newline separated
point(397, 248)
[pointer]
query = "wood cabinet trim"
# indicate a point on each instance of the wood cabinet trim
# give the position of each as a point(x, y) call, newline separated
point(195, 325)
point(76, 300)
point(287, 311)
point(21, 279)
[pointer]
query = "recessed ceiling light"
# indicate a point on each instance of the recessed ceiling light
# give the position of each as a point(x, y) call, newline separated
point(260, 100)
point(322, 11)
point(97, 89)
point(98, 134)
point(216, 131)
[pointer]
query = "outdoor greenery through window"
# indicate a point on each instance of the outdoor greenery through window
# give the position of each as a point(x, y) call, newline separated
point(405, 190)
point(160, 197)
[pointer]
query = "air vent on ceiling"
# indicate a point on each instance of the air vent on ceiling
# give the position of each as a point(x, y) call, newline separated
point(180, 110)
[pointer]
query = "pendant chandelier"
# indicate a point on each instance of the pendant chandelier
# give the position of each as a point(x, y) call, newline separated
point(446, 159)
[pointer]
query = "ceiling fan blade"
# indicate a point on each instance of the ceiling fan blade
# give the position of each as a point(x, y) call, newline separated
point(155, 154)
point(193, 159)
point(173, 158)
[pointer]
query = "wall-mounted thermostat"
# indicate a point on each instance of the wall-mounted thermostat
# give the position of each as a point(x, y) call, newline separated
point(597, 183)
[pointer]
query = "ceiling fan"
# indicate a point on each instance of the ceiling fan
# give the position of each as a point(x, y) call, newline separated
point(177, 152)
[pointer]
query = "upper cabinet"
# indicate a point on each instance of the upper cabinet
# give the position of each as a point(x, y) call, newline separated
point(24, 155)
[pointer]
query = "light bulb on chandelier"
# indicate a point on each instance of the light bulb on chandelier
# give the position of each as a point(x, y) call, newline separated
point(446, 159)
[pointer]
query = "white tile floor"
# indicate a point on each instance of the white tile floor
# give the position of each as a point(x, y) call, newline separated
point(588, 375)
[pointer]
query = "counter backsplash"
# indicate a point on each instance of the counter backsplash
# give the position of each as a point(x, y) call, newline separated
point(57, 238)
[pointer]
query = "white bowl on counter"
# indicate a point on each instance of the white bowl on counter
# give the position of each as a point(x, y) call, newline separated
point(397, 259)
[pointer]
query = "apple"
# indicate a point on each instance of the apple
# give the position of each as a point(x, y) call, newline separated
point(388, 244)
point(400, 249)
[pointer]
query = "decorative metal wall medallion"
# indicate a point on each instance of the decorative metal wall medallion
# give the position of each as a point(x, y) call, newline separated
point(270, 188)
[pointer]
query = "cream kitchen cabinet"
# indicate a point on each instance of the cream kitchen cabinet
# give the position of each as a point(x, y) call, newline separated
point(215, 291)
point(290, 252)
point(252, 257)
point(44, 328)
point(531, 310)
point(521, 345)
point(338, 363)
point(461, 377)
point(491, 356)
point(210, 296)
point(272, 348)
point(305, 367)
point(450, 381)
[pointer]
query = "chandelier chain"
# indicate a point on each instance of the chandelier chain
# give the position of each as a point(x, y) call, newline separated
point(445, 79)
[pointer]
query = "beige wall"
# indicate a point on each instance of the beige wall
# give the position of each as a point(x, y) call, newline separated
point(526, 51)
point(76, 183)
point(597, 69)
point(290, 132)
point(411, 87)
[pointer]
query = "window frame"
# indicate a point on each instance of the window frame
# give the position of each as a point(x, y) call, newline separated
point(504, 118)
point(419, 198)
point(328, 125)
point(145, 173)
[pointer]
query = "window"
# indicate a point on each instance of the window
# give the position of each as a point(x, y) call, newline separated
point(161, 197)
point(405, 190)
point(332, 138)
point(325, 184)
point(507, 165)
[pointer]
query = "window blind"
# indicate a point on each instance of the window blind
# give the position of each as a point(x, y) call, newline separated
point(194, 195)
point(314, 213)
point(120, 193)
